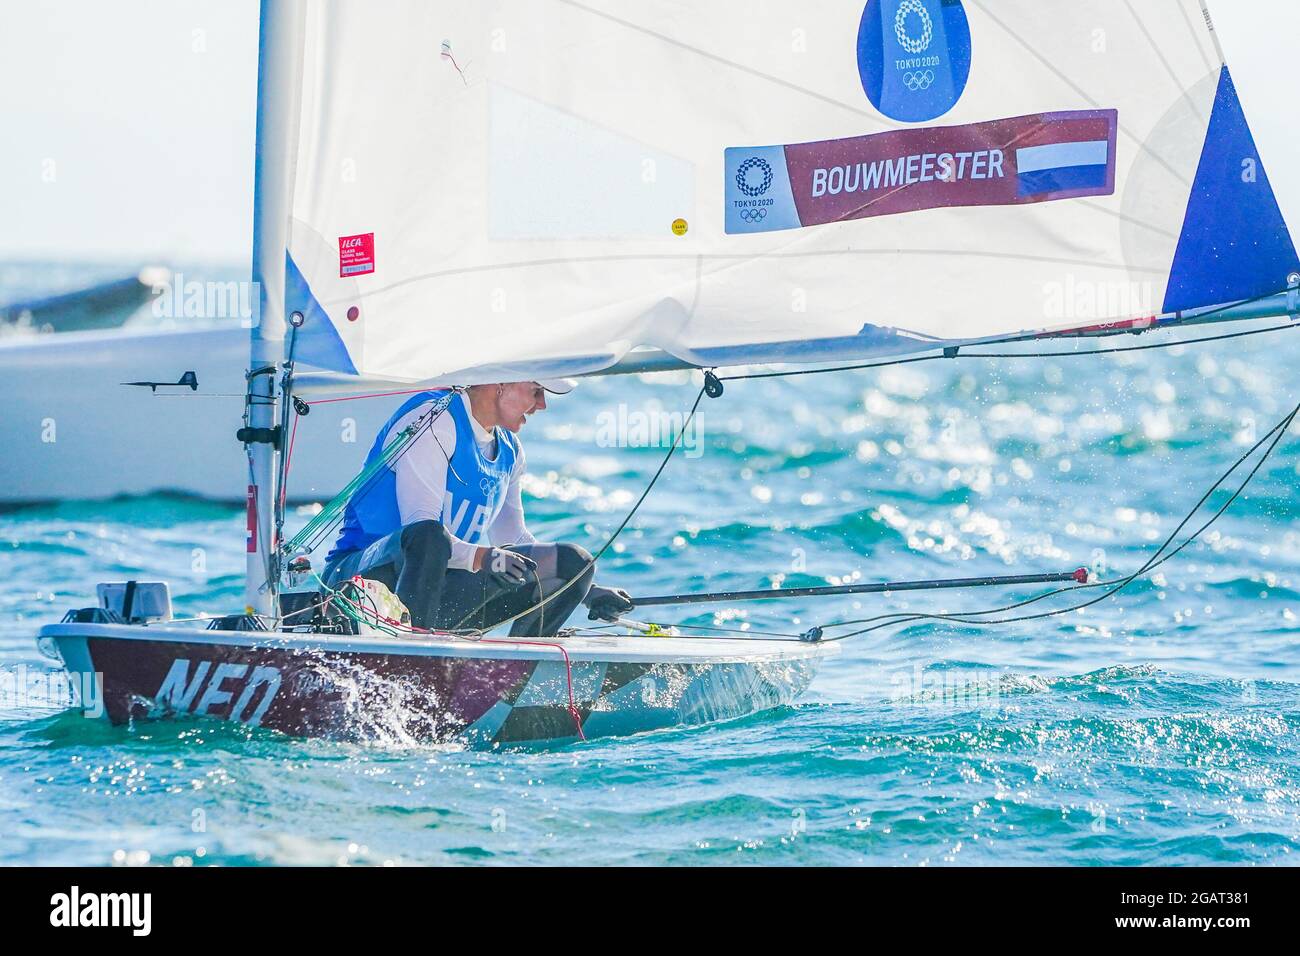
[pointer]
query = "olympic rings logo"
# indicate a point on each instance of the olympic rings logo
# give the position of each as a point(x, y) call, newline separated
point(753, 215)
point(913, 45)
point(742, 176)
point(920, 80)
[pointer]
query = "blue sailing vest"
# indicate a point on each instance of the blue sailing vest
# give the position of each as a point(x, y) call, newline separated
point(476, 484)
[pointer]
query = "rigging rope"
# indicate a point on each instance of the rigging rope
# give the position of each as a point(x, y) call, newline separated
point(313, 533)
point(1012, 355)
point(546, 599)
point(1157, 558)
point(330, 514)
point(952, 352)
point(1272, 438)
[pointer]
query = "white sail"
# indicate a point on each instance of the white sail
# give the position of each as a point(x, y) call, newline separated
point(492, 190)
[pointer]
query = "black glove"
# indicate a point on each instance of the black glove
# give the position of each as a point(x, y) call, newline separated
point(508, 569)
point(606, 604)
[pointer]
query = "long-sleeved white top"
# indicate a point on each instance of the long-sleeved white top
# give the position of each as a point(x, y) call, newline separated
point(421, 473)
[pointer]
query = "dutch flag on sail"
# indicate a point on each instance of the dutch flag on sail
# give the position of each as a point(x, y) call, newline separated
point(1063, 167)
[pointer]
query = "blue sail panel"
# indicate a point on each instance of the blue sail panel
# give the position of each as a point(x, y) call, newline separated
point(1235, 244)
point(318, 342)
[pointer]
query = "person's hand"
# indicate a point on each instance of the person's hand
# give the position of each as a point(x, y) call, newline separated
point(606, 604)
point(508, 568)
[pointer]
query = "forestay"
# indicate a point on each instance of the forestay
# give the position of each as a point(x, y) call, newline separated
point(503, 190)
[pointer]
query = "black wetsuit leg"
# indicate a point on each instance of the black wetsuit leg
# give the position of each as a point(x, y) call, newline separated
point(474, 600)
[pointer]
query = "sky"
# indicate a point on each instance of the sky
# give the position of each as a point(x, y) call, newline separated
point(129, 124)
point(128, 129)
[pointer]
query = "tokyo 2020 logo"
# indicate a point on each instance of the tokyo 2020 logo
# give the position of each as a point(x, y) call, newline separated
point(914, 57)
point(921, 42)
point(754, 176)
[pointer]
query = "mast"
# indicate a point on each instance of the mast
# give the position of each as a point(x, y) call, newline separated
point(279, 72)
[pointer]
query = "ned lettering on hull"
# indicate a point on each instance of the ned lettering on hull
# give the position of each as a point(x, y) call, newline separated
point(230, 690)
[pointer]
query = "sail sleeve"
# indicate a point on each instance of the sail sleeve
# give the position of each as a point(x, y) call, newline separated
point(488, 191)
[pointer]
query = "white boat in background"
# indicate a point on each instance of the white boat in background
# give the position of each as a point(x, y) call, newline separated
point(104, 305)
point(73, 430)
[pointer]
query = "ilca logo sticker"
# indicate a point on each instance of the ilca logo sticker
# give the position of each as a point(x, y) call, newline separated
point(914, 57)
point(356, 255)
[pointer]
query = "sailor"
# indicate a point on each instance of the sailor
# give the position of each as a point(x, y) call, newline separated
point(443, 525)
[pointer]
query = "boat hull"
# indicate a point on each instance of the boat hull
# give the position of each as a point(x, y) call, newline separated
point(485, 693)
point(100, 439)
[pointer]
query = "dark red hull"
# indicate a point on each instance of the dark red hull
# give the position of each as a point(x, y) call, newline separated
point(484, 693)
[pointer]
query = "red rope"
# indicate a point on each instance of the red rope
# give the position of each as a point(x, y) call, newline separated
point(568, 676)
point(288, 461)
point(447, 55)
point(568, 664)
point(359, 581)
point(288, 458)
point(354, 398)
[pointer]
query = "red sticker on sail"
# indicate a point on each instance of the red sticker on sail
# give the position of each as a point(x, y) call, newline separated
point(356, 254)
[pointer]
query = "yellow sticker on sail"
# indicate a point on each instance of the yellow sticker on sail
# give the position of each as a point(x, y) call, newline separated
point(679, 227)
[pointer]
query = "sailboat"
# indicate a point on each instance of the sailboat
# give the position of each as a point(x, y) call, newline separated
point(105, 305)
point(450, 194)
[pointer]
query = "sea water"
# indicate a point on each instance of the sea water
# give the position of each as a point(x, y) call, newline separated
point(1159, 726)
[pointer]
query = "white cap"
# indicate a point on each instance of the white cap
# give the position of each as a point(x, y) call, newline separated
point(558, 386)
